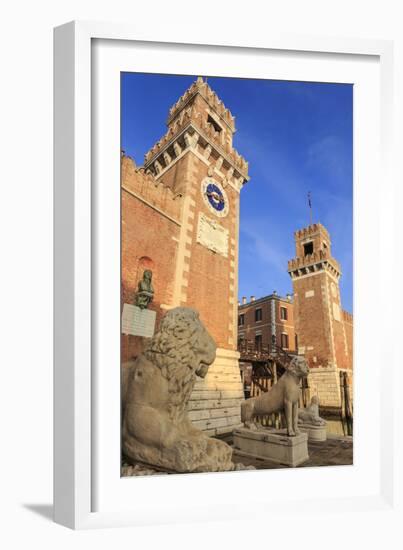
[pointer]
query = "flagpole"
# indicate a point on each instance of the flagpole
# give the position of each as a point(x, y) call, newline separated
point(310, 207)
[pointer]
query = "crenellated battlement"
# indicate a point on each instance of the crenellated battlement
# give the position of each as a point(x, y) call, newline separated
point(312, 252)
point(199, 122)
point(309, 259)
point(310, 231)
point(200, 87)
point(147, 188)
point(347, 317)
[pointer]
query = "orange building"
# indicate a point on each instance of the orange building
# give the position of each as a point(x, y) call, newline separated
point(267, 320)
point(180, 219)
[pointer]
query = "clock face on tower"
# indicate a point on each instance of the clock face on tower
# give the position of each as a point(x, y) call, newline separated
point(215, 197)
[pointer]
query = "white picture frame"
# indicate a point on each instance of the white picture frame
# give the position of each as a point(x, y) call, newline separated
point(88, 491)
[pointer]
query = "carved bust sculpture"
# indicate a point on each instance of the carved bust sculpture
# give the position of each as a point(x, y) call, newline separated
point(310, 415)
point(145, 293)
point(156, 388)
point(281, 397)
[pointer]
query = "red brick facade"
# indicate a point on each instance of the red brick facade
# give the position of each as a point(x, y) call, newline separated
point(150, 223)
point(324, 329)
point(180, 218)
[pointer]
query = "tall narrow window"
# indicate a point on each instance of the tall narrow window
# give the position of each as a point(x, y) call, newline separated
point(258, 342)
point(284, 340)
point(258, 314)
point(283, 313)
point(241, 320)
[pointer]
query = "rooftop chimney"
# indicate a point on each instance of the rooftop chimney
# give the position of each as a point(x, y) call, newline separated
point(252, 298)
point(243, 300)
point(274, 292)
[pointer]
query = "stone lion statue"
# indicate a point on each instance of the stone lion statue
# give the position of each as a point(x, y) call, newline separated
point(156, 388)
point(310, 415)
point(281, 397)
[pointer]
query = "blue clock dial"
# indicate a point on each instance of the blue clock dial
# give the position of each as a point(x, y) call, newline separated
point(215, 197)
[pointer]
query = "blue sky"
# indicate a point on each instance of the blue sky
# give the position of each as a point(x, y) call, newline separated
point(297, 137)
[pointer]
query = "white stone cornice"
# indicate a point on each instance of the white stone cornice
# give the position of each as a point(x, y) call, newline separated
point(312, 274)
point(185, 133)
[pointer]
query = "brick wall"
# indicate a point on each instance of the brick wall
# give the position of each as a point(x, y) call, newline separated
point(149, 241)
point(312, 323)
point(348, 327)
point(207, 283)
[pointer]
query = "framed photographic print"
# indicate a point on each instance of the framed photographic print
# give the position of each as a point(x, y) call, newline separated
point(219, 225)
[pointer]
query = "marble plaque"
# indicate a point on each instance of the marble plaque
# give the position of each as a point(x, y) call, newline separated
point(138, 322)
point(212, 235)
point(336, 311)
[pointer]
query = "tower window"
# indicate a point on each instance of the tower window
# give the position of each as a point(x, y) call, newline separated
point(308, 248)
point(258, 314)
point(214, 124)
point(241, 320)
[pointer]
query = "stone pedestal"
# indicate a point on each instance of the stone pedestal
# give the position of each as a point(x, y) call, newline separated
point(273, 445)
point(314, 432)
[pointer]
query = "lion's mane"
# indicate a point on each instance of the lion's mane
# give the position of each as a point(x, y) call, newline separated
point(173, 350)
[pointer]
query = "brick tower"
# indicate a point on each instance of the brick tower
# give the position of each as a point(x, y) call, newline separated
point(323, 329)
point(193, 253)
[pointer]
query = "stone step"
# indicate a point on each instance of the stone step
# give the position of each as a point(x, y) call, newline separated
point(212, 404)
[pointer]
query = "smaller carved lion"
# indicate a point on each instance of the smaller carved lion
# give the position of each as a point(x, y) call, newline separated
point(310, 415)
point(282, 397)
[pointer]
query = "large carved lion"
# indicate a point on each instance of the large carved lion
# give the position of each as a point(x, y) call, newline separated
point(156, 389)
point(281, 397)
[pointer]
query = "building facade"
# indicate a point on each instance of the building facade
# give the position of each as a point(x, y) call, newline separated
point(180, 219)
point(265, 321)
point(311, 322)
point(324, 329)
